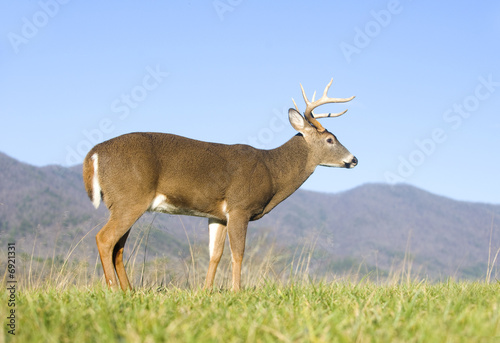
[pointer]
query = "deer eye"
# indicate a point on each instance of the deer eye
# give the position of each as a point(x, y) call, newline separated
point(329, 140)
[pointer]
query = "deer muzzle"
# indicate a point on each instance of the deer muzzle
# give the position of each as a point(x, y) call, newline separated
point(352, 163)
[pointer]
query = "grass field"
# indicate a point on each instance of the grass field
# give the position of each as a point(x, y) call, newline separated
point(69, 303)
point(297, 312)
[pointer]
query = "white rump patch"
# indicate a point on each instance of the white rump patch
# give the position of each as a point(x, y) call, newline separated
point(96, 187)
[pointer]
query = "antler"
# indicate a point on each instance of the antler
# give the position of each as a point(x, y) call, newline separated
point(311, 105)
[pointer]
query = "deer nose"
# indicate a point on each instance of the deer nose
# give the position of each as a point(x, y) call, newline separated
point(351, 164)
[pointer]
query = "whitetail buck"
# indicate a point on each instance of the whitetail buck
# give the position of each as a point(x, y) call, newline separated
point(229, 184)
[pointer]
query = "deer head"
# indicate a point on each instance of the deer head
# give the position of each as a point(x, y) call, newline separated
point(325, 148)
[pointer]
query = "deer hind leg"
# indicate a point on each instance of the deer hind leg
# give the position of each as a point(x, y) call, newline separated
point(217, 232)
point(110, 241)
point(118, 262)
point(237, 231)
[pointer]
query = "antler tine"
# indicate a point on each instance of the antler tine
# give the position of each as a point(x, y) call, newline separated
point(308, 111)
point(304, 95)
point(327, 88)
point(296, 107)
point(329, 115)
point(310, 106)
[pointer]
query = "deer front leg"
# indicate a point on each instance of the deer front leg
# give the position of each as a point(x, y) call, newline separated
point(237, 231)
point(217, 237)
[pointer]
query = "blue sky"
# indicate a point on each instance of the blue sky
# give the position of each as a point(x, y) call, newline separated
point(426, 76)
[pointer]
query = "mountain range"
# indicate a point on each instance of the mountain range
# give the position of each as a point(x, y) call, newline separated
point(46, 212)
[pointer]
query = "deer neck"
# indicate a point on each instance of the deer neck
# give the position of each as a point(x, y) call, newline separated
point(290, 165)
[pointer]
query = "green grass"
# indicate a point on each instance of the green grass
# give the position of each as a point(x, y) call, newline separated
point(67, 301)
point(297, 312)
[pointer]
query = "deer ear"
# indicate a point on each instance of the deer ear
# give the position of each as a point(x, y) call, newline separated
point(298, 122)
